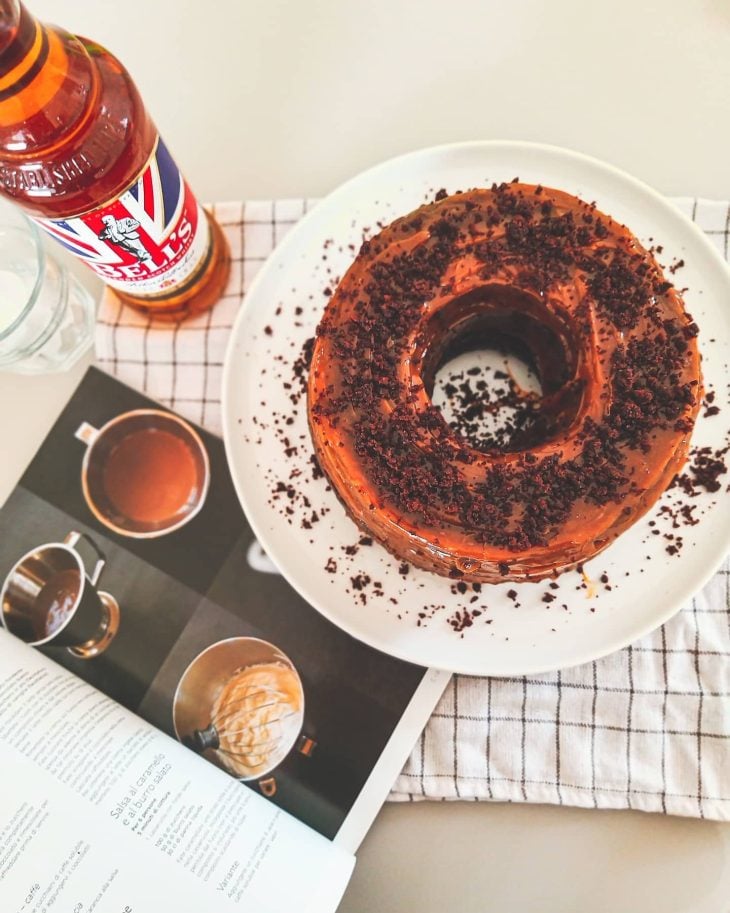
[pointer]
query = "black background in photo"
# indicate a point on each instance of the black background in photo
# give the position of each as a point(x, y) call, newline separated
point(184, 591)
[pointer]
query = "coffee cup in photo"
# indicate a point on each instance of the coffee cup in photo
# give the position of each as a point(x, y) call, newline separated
point(48, 599)
point(145, 473)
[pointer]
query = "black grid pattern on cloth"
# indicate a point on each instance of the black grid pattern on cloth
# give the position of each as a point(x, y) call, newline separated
point(647, 727)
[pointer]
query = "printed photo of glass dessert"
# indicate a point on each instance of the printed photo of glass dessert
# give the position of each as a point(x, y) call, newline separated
point(240, 703)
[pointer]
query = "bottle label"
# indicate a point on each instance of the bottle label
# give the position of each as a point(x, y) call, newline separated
point(149, 240)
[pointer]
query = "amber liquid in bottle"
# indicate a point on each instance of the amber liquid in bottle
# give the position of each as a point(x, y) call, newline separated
point(75, 136)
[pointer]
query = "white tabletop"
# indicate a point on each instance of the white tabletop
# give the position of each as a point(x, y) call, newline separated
point(289, 97)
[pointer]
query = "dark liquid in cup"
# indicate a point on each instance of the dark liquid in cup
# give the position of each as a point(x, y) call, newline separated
point(150, 475)
point(55, 602)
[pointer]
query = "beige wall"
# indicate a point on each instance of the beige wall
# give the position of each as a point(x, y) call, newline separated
point(289, 97)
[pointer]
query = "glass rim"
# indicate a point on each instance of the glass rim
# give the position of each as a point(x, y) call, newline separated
point(35, 236)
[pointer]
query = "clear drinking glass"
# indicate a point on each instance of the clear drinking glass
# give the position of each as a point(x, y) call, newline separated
point(46, 315)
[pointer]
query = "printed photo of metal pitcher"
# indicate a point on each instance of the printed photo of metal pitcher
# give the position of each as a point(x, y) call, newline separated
point(241, 704)
point(48, 599)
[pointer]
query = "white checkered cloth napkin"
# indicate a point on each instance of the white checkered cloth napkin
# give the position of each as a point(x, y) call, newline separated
point(646, 728)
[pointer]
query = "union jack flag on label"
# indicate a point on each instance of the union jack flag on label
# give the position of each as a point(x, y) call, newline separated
point(150, 239)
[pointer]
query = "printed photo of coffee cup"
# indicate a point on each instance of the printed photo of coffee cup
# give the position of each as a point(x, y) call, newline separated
point(241, 703)
point(145, 473)
point(48, 599)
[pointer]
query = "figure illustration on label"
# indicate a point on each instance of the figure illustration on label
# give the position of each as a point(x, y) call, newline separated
point(123, 232)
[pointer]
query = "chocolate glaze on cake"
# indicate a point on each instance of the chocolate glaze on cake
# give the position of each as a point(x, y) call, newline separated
point(614, 349)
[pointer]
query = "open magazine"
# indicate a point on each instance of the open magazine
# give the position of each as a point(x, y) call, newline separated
point(179, 730)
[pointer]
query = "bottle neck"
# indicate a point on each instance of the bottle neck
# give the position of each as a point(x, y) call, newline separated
point(46, 79)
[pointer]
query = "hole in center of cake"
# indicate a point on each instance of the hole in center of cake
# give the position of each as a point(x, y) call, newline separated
point(502, 370)
point(491, 397)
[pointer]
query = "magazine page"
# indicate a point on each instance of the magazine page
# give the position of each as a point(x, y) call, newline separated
point(126, 558)
point(105, 813)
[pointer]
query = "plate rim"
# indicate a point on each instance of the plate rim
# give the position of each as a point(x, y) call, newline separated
point(229, 424)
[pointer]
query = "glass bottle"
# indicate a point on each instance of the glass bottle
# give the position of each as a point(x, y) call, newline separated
point(80, 153)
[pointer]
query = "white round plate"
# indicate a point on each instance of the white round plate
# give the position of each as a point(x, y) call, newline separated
point(504, 640)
